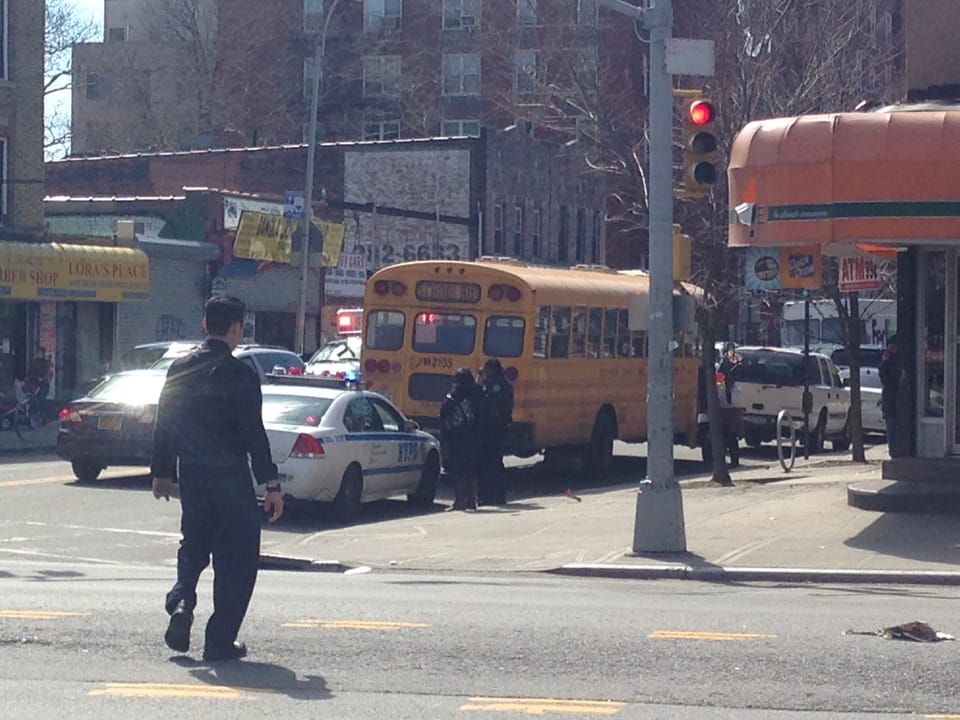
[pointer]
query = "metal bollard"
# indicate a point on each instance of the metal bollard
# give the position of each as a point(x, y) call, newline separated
point(784, 417)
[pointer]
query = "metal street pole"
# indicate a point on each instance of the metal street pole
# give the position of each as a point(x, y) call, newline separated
point(658, 525)
point(319, 58)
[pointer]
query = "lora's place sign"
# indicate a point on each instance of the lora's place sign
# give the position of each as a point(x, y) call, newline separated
point(56, 271)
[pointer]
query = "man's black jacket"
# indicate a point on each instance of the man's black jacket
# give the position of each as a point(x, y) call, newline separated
point(209, 416)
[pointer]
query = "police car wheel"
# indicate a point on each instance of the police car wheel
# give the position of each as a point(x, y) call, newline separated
point(86, 471)
point(427, 487)
point(347, 502)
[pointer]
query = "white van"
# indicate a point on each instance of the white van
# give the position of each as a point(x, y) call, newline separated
point(771, 379)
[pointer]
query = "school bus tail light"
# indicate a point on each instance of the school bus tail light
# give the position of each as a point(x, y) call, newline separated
point(511, 374)
point(307, 447)
point(496, 293)
point(381, 287)
point(383, 366)
point(513, 294)
point(370, 365)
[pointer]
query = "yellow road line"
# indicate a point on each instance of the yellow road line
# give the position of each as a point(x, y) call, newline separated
point(353, 624)
point(171, 690)
point(39, 614)
point(942, 717)
point(541, 706)
point(696, 635)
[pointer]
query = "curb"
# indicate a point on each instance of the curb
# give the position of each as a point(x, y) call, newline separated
point(903, 496)
point(718, 574)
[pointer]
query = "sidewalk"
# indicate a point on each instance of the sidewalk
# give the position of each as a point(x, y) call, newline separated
point(771, 526)
point(42, 439)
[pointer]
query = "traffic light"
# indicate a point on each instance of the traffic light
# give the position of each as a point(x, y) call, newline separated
point(699, 147)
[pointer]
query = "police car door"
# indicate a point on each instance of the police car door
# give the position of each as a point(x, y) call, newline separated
point(406, 451)
point(365, 442)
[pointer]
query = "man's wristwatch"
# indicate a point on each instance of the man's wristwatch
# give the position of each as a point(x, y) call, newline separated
point(275, 487)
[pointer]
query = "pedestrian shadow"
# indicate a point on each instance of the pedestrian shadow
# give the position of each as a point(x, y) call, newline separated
point(926, 537)
point(261, 677)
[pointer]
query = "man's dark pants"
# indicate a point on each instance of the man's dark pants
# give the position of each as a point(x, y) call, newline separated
point(220, 517)
point(492, 488)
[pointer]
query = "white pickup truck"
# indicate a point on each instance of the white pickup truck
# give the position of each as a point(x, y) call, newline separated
point(771, 379)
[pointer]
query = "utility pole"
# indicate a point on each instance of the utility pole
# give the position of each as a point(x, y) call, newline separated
point(658, 525)
point(308, 197)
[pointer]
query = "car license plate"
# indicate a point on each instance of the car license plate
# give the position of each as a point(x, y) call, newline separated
point(110, 422)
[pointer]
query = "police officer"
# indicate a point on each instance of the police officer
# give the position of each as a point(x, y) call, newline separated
point(209, 419)
point(496, 414)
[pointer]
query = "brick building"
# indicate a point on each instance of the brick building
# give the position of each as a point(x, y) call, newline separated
point(502, 193)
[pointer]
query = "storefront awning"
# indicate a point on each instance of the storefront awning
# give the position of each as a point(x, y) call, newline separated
point(889, 178)
point(61, 271)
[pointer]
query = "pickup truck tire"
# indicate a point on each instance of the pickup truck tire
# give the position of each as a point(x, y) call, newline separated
point(841, 443)
point(817, 434)
point(753, 440)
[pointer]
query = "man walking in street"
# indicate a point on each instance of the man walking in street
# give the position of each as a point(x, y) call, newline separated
point(890, 383)
point(496, 414)
point(209, 422)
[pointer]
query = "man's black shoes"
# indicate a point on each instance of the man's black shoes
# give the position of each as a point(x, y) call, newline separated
point(234, 651)
point(177, 636)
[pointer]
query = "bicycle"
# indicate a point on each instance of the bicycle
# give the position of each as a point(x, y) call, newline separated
point(21, 416)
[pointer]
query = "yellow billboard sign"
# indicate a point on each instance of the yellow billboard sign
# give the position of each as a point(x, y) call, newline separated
point(332, 241)
point(62, 271)
point(261, 236)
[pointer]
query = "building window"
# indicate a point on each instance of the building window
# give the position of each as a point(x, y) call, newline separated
point(518, 231)
point(527, 13)
point(461, 13)
point(3, 180)
point(312, 15)
point(525, 71)
point(498, 230)
point(581, 240)
point(461, 128)
point(308, 65)
point(313, 7)
point(461, 74)
point(586, 13)
point(536, 232)
point(96, 87)
point(117, 34)
point(381, 130)
point(3, 39)
point(564, 232)
point(381, 75)
point(380, 15)
point(597, 236)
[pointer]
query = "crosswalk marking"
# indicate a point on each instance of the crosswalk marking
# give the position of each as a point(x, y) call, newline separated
point(173, 690)
point(705, 635)
point(354, 624)
point(39, 614)
point(541, 706)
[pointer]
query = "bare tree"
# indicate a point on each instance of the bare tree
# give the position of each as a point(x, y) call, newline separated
point(64, 28)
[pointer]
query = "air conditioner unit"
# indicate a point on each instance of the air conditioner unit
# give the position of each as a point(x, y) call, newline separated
point(468, 22)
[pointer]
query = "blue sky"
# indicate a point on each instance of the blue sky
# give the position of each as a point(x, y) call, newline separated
point(91, 8)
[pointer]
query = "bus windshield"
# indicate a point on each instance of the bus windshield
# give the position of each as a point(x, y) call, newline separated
point(444, 333)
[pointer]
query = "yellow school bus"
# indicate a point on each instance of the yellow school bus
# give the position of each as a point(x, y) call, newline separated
point(579, 372)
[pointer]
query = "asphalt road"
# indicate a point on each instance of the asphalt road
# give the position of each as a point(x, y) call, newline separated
point(82, 640)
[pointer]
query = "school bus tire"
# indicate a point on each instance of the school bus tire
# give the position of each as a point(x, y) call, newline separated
point(426, 490)
point(598, 454)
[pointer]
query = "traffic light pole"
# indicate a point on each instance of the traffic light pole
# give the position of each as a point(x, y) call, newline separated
point(658, 525)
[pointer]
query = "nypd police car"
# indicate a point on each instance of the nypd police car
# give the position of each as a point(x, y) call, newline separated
point(337, 443)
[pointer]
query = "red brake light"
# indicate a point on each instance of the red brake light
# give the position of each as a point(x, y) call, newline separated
point(513, 294)
point(495, 293)
point(398, 288)
point(381, 287)
point(370, 365)
point(294, 370)
point(69, 415)
point(383, 366)
point(511, 373)
point(307, 447)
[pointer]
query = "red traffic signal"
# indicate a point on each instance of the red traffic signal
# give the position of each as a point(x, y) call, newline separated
point(701, 112)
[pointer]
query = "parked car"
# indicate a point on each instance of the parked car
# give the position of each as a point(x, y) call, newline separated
point(871, 407)
point(337, 358)
point(112, 424)
point(870, 357)
point(264, 359)
point(335, 443)
point(772, 379)
point(139, 357)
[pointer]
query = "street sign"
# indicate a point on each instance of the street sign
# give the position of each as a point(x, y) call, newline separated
point(858, 273)
point(690, 57)
point(294, 202)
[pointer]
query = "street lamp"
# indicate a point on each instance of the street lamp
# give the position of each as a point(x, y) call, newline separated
point(318, 61)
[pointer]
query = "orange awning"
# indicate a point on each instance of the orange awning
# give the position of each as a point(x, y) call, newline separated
point(882, 178)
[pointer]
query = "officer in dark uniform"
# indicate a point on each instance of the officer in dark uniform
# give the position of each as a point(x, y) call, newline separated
point(209, 419)
point(496, 414)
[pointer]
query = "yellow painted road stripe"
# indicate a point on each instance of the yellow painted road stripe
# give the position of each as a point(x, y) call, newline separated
point(171, 690)
point(541, 706)
point(59, 479)
point(695, 635)
point(39, 614)
point(354, 624)
point(942, 717)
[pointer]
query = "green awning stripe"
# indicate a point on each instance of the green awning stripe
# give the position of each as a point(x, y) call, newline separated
point(863, 210)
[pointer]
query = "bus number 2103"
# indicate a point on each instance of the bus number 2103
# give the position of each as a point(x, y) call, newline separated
point(436, 363)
